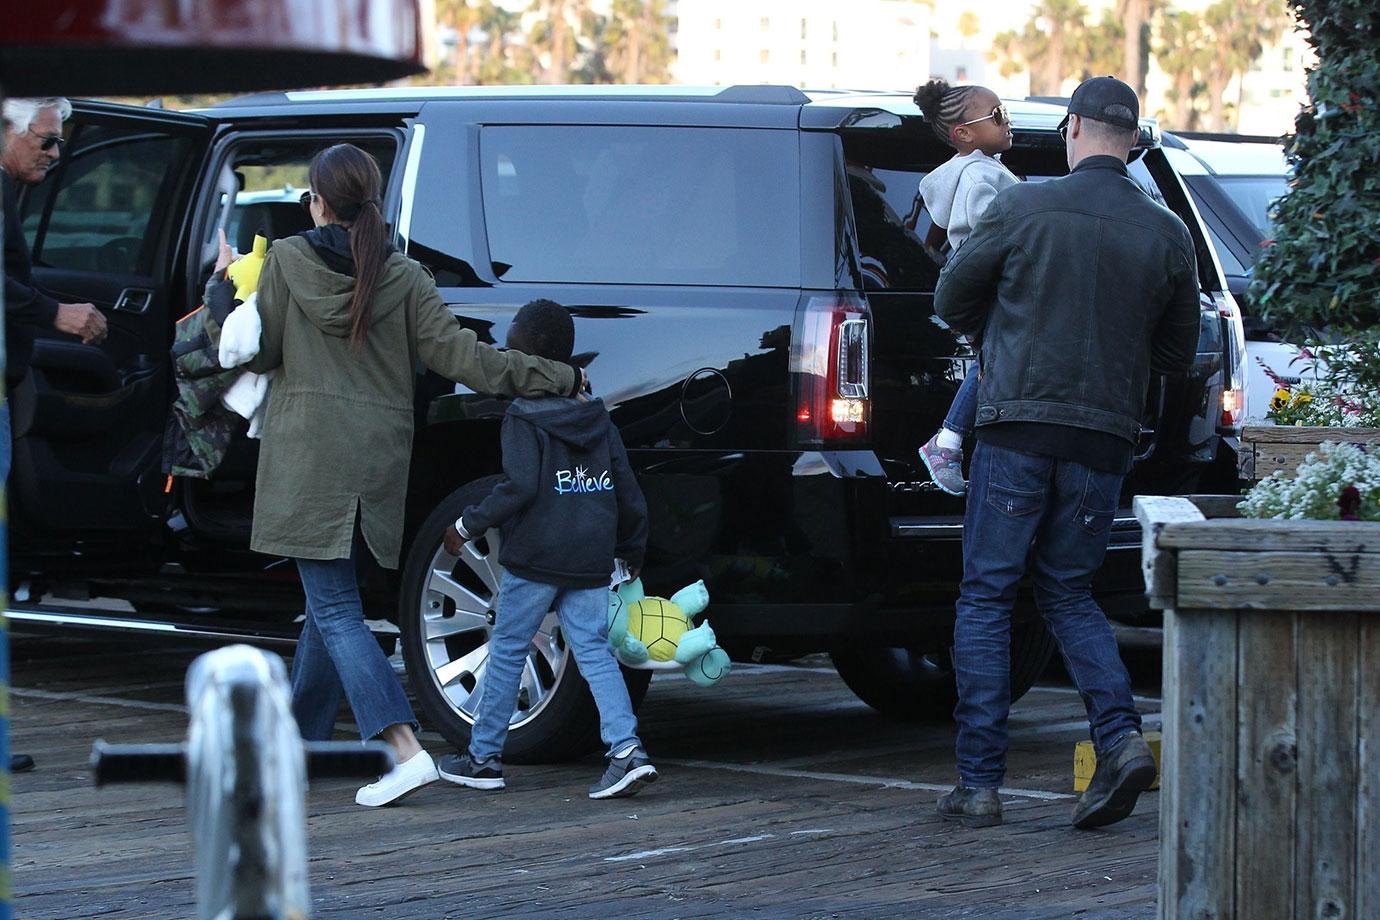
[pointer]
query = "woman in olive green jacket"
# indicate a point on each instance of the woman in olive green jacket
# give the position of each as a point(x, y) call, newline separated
point(345, 321)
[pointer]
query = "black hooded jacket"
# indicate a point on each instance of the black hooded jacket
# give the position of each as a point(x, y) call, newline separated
point(568, 503)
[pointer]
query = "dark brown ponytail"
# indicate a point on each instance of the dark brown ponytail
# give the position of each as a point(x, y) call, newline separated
point(348, 179)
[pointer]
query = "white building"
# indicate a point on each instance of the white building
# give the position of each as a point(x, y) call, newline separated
point(819, 44)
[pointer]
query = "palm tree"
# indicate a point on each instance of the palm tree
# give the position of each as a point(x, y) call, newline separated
point(1053, 35)
point(968, 25)
point(638, 42)
point(499, 63)
point(556, 35)
point(1183, 52)
point(461, 17)
point(1135, 16)
point(1102, 46)
point(1239, 30)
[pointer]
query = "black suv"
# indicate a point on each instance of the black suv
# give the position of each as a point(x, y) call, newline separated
point(747, 264)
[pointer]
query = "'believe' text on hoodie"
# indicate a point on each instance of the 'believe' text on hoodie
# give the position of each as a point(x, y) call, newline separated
point(568, 503)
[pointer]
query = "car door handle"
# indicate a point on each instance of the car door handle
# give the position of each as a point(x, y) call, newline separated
point(133, 300)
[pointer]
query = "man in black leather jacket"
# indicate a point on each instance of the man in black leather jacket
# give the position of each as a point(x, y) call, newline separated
point(1078, 288)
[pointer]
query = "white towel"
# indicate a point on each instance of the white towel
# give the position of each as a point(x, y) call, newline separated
point(247, 397)
point(239, 343)
point(239, 334)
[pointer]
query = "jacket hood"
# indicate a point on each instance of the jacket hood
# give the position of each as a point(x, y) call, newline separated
point(323, 292)
point(940, 185)
point(579, 423)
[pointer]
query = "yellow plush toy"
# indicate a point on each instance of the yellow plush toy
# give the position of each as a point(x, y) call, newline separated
point(244, 272)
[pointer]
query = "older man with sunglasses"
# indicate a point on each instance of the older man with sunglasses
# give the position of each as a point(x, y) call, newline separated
point(1078, 288)
point(32, 144)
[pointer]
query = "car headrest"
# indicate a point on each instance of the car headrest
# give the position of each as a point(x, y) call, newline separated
point(273, 219)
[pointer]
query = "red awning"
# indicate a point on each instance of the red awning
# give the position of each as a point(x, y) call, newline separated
point(135, 47)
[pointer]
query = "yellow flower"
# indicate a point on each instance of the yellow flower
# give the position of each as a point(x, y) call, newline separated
point(1302, 398)
point(1280, 400)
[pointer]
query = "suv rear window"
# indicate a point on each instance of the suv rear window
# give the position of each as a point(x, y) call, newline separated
point(893, 220)
point(638, 205)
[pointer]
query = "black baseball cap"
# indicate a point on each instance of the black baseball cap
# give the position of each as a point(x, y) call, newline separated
point(1105, 99)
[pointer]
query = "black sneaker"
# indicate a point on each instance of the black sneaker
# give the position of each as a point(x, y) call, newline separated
point(625, 776)
point(462, 770)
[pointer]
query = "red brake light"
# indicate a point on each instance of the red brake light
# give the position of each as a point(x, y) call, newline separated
point(830, 366)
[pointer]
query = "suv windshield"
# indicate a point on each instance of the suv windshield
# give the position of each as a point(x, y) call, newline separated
point(640, 205)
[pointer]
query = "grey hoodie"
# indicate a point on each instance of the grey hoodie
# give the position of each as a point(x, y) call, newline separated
point(961, 189)
point(568, 503)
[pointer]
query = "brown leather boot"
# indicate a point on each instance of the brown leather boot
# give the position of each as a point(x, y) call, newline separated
point(972, 807)
point(1125, 771)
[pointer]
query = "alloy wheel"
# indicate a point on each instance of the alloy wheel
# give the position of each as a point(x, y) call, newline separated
point(457, 615)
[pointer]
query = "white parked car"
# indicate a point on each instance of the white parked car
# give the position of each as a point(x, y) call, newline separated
point(1234, 182)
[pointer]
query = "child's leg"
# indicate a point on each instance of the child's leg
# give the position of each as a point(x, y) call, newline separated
point(521, 606)
point(958, 424)
point(584, 620)
point(942, 454)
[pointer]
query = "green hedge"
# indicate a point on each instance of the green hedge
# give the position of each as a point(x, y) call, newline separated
point(1319, 279)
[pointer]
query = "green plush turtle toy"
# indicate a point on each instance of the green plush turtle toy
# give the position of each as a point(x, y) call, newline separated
point(657, 634)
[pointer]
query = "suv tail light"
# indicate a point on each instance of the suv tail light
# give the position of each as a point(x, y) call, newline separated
point(1234, 375)
point(830, 366)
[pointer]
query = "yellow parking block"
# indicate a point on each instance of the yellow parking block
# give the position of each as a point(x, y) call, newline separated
point(1085, 761)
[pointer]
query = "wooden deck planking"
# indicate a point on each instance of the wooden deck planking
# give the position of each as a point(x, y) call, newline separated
point(824, 848)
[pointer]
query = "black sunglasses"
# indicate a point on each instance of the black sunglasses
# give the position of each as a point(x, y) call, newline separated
point(48, 141)
point(305, 200)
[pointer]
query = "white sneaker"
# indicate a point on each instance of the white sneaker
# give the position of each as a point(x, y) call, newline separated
point(400, 782)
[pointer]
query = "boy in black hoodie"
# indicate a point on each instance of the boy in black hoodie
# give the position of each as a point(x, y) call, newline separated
point(567, 506)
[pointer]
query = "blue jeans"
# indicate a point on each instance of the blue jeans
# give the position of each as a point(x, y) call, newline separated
point(1051, 517)
point(963, 410)
point(522, 605)
point(338, 656)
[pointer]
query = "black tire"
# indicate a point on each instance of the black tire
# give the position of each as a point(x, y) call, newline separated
point(565, 723)
point(917, 685)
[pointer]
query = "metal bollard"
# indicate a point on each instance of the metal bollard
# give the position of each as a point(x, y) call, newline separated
point(245, 767)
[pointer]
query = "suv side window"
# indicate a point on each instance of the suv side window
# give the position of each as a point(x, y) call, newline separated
point(99, 215)
point(642, 205)
point(892, 222)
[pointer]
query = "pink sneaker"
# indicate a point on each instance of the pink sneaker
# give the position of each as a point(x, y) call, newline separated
point(945, 466)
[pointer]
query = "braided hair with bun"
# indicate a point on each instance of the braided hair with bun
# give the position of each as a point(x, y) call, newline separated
point(944, 106)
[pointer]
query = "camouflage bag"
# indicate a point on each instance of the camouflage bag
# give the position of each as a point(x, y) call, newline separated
point(200, 427)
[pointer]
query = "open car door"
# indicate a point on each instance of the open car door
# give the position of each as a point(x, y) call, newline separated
point(106, 227)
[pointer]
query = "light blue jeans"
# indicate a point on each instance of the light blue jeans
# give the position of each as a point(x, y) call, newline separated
point(522, 605)
point(338, 656)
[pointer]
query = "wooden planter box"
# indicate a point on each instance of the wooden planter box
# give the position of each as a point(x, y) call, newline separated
point(1267, 448)
point(1270, 775)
